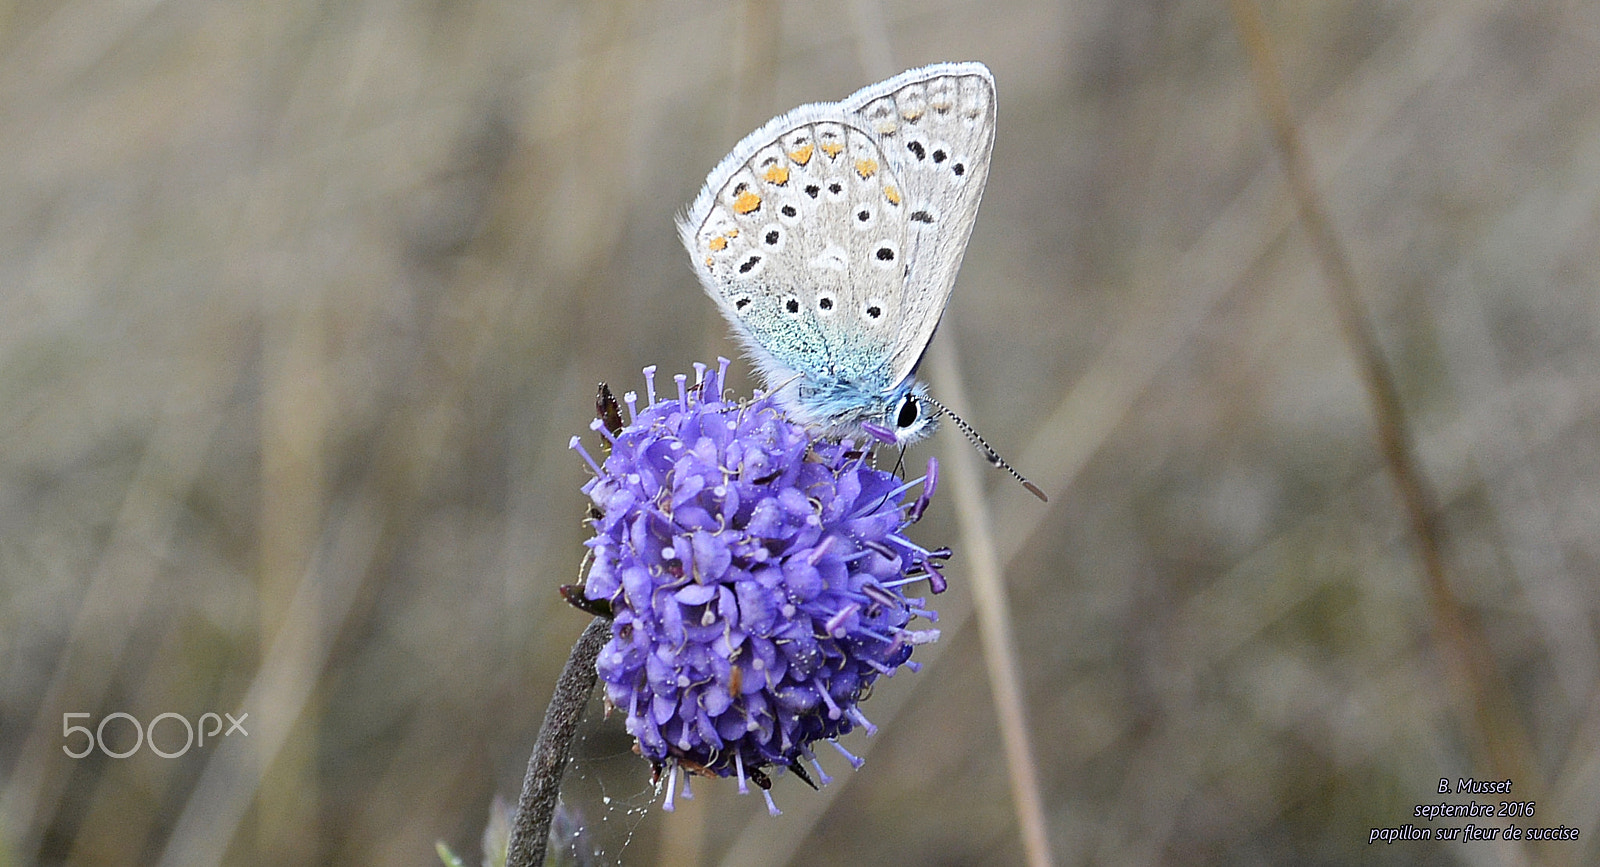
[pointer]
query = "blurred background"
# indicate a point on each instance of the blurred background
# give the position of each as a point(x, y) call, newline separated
point(301, 302)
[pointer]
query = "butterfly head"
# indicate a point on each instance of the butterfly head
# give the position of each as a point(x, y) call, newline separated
point(911, 415)
point(902, 416)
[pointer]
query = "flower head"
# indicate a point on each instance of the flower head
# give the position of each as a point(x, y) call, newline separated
point(755, 574)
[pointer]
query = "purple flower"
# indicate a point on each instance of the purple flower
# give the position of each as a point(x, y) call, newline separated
point(755, 574)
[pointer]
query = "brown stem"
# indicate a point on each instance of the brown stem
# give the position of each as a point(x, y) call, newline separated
point(1495, 732)
point(530, 830)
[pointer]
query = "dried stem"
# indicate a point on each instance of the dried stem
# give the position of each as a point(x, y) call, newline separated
point(1493, 729)
point(993, 607)
point(530, 830)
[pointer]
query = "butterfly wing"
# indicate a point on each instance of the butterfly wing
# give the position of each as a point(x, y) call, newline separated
point(935, 126)
point(798, 237)
point(831, 236)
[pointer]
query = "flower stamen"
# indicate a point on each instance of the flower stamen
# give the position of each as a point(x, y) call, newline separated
point(672, 786)
point(576, 444)
point(855, 761)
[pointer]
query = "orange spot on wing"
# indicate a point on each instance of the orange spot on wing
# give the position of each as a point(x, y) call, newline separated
point(777, 175)
point(746, 202)
point(832, 148)
point(802, 154)
point(892, 194)
point(718, 243)
point(866, 168)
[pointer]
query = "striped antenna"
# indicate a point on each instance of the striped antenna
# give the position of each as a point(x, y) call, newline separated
point(989, 454)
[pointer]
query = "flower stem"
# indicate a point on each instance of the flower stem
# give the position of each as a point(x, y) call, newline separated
point(530, 829)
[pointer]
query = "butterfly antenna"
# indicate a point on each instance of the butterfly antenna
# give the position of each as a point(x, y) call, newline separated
point(989, 454)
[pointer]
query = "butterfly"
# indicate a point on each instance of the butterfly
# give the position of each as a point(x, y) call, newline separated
point(830, 239)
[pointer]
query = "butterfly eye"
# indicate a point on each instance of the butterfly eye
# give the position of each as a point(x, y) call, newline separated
point(910, 411)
